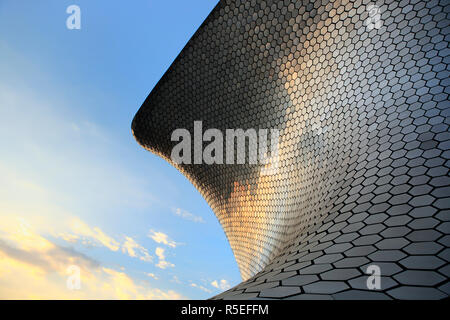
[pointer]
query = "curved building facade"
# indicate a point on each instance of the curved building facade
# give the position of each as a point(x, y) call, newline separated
point(358, 91)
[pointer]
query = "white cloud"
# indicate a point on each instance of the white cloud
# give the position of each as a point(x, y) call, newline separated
point(152, 275)
point(80, 228)
point(160, 237)
point(88, 236)
point(160, 253)
point(200, 287)
point(135, 250)
point(69, 237)
point(162, 263)
point(175, 279)
point(221, 284)
point(187, 215)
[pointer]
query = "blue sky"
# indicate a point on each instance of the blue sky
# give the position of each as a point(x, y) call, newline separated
point(76, 188)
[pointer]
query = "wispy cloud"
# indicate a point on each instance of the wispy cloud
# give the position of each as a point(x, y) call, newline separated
point(135, 250)
point(33, 267)
point(75, 176)
point(81, 232)
point(126, 288)
point(162, 263)
point(152, 275)
point(221, 284)
point(160, 237)
point(200, 287)
point(80, 228)
point(187, 215)
point(175, 279)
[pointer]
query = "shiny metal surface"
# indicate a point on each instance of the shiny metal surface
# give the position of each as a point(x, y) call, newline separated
point(363, 112)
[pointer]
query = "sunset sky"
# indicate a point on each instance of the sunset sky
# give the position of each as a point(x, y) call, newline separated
point(75, 187)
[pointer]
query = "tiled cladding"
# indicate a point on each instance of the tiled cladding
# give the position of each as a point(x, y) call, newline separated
point(364, 118)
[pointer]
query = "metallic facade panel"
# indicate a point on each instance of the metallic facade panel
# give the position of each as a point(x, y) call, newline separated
point(361, 101)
